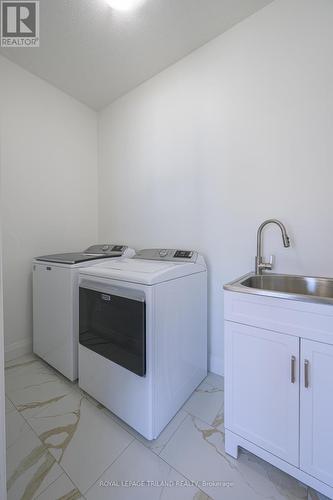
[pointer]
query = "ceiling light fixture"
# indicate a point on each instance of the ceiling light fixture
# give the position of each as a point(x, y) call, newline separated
point(124, 5)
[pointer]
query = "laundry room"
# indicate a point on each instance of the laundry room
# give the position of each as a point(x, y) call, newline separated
point(166, 270)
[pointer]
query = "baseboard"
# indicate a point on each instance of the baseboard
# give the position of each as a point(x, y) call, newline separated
point(17, 349)
point(216, 365)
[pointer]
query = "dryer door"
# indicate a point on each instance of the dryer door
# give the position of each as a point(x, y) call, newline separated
point(113, 324)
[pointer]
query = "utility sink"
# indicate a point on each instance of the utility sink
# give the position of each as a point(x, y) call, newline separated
point(285, 286)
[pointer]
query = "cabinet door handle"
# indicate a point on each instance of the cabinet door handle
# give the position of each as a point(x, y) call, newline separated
point(306, 373)
point(292, 369)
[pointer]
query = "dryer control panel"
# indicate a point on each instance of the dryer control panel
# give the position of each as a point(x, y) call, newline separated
point(168, 254)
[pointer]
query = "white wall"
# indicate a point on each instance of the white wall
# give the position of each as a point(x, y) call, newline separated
point(3, 490)
point(49, 186)
point(239, 131)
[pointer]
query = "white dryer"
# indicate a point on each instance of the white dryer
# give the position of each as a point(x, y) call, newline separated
point(56, 303)
point(143, 334)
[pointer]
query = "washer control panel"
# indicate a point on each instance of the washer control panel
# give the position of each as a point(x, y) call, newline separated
point(168, 254)
point(106, 248)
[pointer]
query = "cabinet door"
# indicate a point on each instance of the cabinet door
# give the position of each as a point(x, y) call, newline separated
point(317, 410)
point(262, 388)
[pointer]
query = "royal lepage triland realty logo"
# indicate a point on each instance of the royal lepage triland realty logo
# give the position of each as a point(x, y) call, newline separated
point(19, 23)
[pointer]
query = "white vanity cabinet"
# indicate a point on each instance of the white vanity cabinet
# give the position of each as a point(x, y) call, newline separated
point(262, 389)
point(279, 384)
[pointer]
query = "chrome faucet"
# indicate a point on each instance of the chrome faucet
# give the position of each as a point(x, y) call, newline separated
point(260, 264)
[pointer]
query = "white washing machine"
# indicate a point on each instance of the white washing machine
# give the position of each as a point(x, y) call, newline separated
point(56, 303)
point(143, 335)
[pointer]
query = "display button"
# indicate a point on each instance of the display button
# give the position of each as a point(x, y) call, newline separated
point(163, 253)
point(183, 254)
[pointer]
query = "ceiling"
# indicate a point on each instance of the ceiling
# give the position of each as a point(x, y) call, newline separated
point(97, 54)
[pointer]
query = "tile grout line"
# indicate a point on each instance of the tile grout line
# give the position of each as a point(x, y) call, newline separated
point(112, 463)
point(71, 480)
point(59, 463)
point(204, 422)
point(47, 487)
point(161, 458)
point(181, 473)
point(56, 461)
point(47, 451)
point(187, 414)
point(123, 425)
point(158, 454)
point(180, 423)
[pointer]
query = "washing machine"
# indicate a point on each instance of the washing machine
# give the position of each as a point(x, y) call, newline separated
point(56, 303)
point(143, 334)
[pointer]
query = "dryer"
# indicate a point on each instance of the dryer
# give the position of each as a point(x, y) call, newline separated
point(143, 334)
point(56, 303)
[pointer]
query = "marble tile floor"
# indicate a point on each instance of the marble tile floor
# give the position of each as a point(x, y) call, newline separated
point(62, 444)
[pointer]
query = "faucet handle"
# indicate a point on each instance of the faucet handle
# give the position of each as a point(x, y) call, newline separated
point(271, 261)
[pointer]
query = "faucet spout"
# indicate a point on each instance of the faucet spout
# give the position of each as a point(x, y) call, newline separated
point(260, 265)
